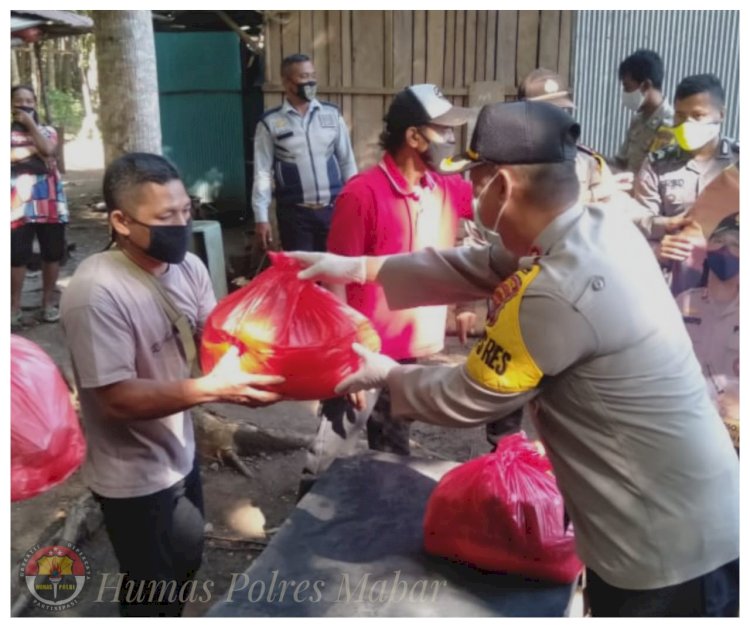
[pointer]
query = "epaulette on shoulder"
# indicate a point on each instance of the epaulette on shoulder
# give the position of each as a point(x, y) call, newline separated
point(586, 150)
point(729, 146)
point(268, 112)
point(325, 103)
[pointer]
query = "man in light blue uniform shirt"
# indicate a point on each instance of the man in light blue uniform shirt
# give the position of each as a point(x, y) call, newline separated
point(304, 148)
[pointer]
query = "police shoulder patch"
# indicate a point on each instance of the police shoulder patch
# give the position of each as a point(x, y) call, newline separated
point(728, 146)
point(601, 162)
point(500, 361)
point(269, 112)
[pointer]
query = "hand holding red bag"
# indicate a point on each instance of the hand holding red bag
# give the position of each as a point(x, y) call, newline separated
point(46, 442)
point(285, 326)
point(503, 512)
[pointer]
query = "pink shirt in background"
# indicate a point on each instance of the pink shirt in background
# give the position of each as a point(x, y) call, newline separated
point(378, 213)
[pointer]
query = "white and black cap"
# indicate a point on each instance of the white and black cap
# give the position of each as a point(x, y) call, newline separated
point(422, 104)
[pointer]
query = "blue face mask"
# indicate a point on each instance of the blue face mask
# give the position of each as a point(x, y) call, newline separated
point(723, 264)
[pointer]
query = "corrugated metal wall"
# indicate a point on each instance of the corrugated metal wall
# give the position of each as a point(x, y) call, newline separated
point(690, 42)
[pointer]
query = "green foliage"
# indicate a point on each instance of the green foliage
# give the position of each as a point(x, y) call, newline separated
point(66, 109)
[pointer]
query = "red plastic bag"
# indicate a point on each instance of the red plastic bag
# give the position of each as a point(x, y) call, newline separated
point(503, 512)
point(284, 326)
point(46, 442)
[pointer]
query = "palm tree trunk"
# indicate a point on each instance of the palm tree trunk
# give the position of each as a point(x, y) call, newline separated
point(15, 73)
point(128, 88)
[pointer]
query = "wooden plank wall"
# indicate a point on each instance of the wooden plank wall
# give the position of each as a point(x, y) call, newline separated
point(364, 57)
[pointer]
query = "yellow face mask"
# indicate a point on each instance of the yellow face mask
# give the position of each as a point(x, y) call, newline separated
point(692, 135)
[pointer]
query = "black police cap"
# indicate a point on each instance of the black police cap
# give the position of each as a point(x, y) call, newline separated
point(517, 133)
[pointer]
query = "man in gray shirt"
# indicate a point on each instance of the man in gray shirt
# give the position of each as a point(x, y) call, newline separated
point(583, 323)
point(642, 75)
point(133, 374)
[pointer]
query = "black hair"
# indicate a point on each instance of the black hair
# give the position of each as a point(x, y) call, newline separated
point(392, 139)
point(291, 60)
point(549, 185)
point(125, 174)
point(643, 65)
point(17, 88)
point(699, 84)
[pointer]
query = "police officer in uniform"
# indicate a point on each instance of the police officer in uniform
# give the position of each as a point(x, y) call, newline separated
point(598, 184)
point(712, 315)
point(671, 179)
point(642, 75)
point(304, 150)
point(583, 323)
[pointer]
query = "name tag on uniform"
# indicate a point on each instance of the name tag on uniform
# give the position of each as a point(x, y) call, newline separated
point(327, 120)
point(668, 184)
point(500, 360)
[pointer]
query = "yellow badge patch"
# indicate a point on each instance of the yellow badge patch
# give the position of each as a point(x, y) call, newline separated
point(500, 360)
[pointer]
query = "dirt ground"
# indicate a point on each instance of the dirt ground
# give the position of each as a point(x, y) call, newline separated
point(273, 485)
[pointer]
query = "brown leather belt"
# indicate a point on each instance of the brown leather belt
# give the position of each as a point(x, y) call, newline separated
point(313, 206)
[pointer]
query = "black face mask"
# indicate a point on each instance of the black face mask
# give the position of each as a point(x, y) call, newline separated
point(307, 91)
point(435, 152)
point(167, 243)
point(723, 264)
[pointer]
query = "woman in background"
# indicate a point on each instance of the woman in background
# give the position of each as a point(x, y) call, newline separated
point(38, 205)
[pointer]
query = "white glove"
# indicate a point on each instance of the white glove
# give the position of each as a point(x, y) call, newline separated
point(373, 372)
point(329, 268)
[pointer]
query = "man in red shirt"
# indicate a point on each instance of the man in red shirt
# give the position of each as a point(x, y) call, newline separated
point(398, 206)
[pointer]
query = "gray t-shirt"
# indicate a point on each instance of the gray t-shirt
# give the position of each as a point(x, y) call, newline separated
point(115, 331)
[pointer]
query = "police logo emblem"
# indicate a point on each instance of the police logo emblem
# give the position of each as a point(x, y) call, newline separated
point(55, 575)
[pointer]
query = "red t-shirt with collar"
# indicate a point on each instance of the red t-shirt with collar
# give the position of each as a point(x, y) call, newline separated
point(378, 213)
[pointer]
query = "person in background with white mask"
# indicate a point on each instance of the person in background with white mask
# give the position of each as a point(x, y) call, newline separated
point(598, 184)
point(671, 180)
point(641, 75)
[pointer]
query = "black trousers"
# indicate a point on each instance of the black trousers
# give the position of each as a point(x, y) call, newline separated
point(51, 237)
point(497, 430)
point(715, 594)
point(157, 537)
point(304, 229)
